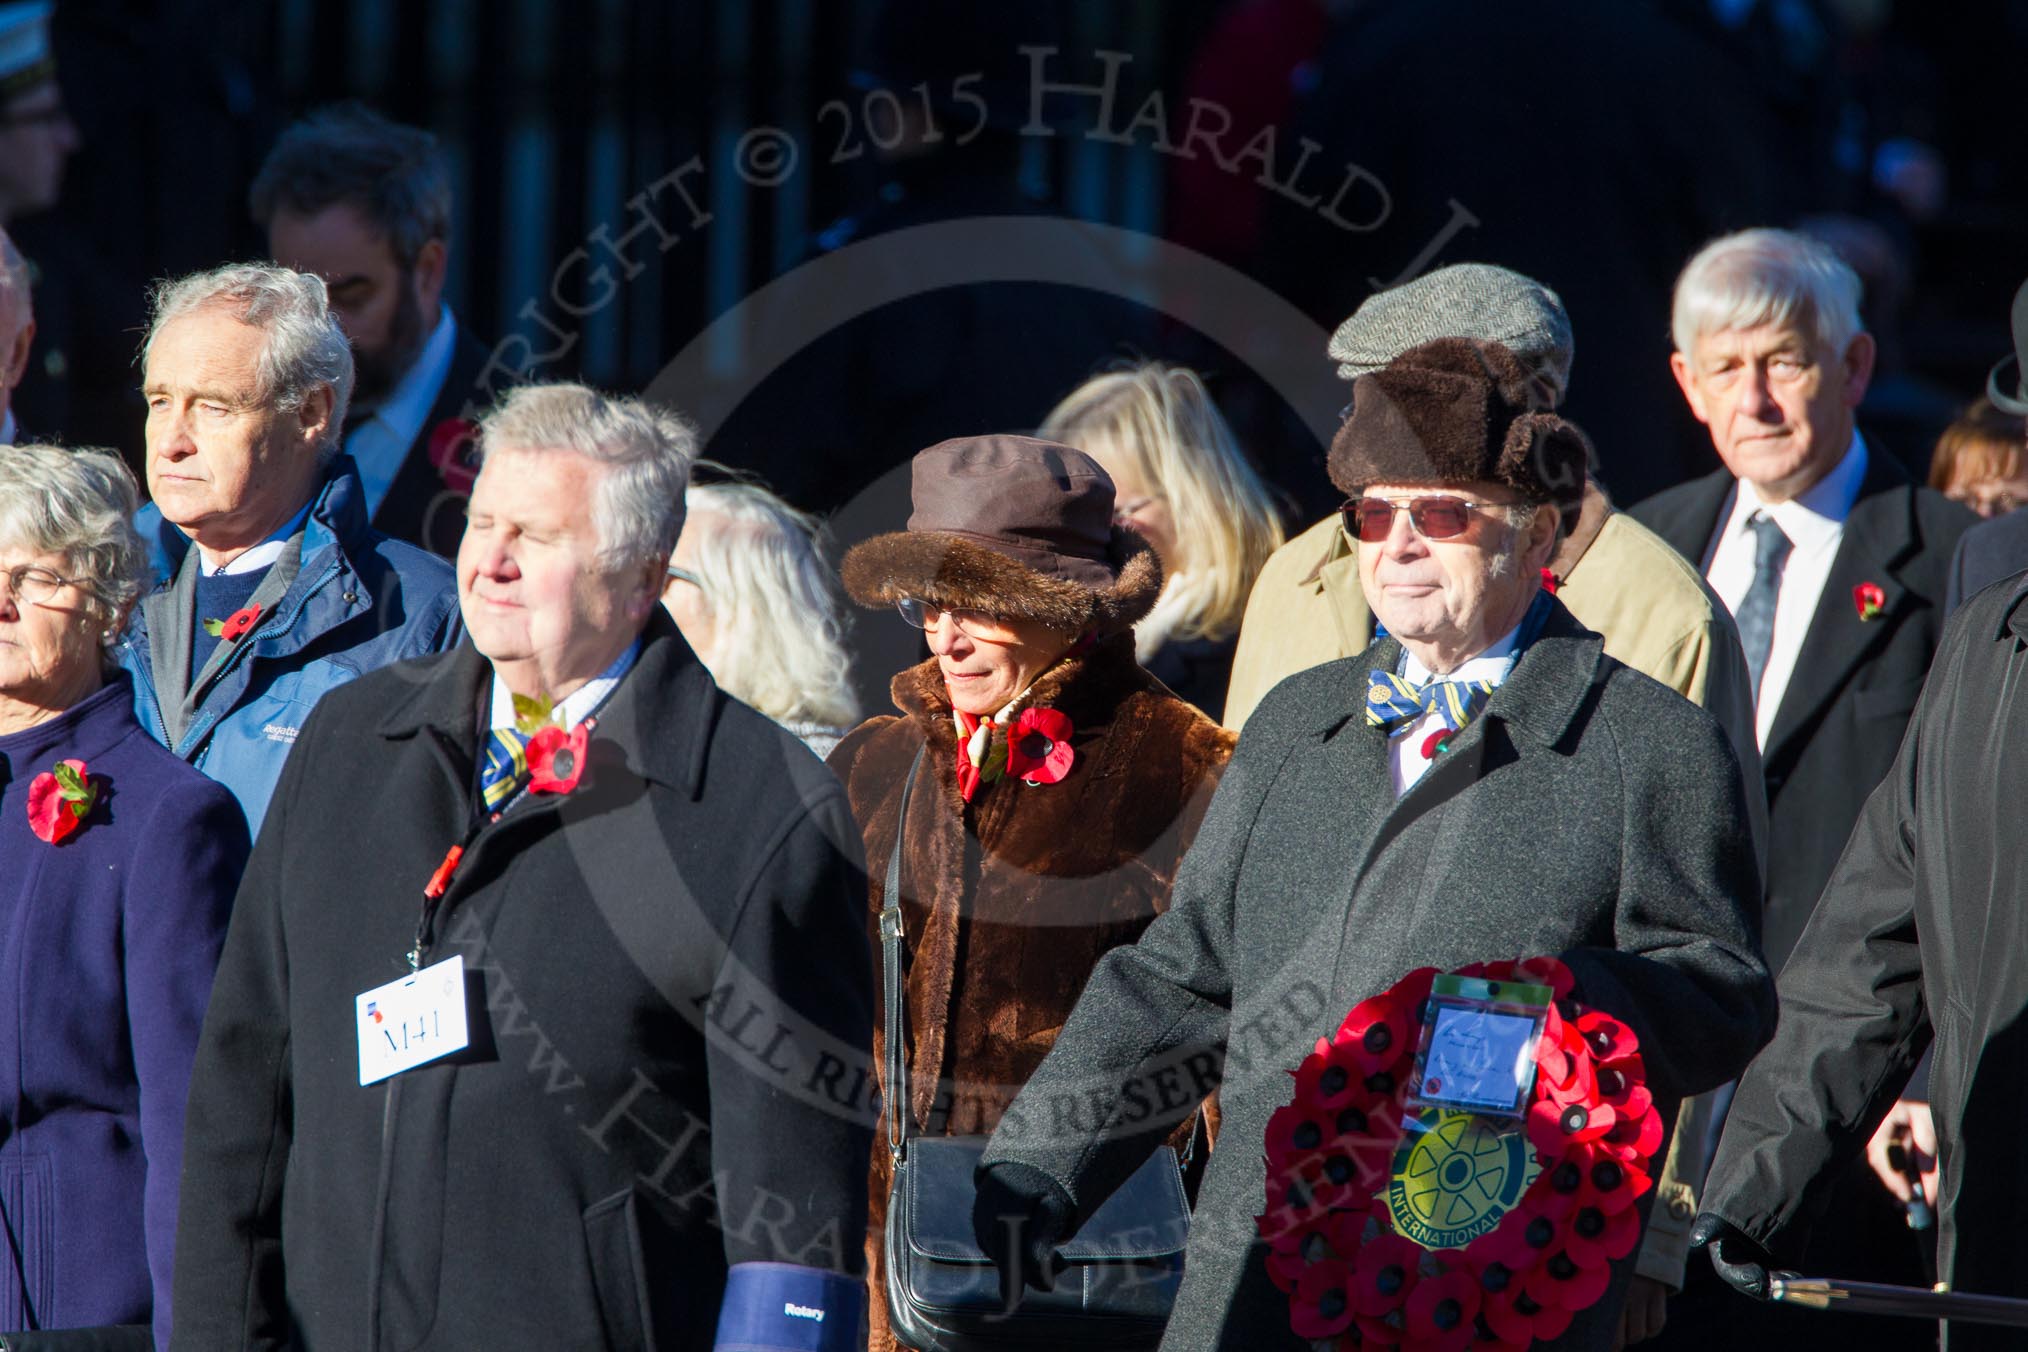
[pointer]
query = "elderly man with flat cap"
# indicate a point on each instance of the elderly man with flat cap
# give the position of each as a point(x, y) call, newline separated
point(1577, 808)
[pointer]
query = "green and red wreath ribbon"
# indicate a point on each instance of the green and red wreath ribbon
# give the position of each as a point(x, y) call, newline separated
point(1548, 1204)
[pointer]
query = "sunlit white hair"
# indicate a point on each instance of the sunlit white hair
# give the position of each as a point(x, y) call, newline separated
point(305, 347)
point(637, 507)
point(1763, 276)
point(779, 621)
point(79, 504)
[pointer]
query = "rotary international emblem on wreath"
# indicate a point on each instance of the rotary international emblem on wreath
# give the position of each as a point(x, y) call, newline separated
point(1456, 1177)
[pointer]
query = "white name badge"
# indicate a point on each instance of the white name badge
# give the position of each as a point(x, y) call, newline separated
point(413, 1021)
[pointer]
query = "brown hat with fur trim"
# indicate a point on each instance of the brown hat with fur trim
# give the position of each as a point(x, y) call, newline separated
point(1016, 527)
point(1456, 411)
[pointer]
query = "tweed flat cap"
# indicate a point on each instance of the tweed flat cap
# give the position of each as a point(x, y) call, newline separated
point(1466, 300)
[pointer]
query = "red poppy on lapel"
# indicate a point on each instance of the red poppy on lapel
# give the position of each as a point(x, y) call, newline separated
point(59, 800)
point(556, 759)
point(235, 626)
point(1038, 746)
point(1869, 600)
point(454, 453)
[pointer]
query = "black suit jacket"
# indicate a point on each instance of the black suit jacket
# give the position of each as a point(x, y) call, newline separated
point(1989, 551)
point(1855, 682)
point(671, 998)
point(425, 505)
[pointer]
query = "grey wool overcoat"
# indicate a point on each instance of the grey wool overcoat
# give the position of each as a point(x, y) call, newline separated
point(1588, 812)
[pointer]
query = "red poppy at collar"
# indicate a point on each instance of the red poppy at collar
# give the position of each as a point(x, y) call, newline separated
point(1869, 600)
point(1038, 746)
point(452, 447)
point(59, 800)
point(235, 626)
point(556, 759)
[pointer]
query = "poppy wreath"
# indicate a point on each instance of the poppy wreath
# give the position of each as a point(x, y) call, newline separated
point(1572, 1172)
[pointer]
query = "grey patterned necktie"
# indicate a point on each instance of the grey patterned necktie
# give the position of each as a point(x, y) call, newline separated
point(1756, 613)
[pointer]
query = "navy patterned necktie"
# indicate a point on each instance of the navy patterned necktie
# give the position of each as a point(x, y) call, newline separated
point(1756, 614)
point(506, 767)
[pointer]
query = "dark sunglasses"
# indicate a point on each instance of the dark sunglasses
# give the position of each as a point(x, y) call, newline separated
point(1439, 517)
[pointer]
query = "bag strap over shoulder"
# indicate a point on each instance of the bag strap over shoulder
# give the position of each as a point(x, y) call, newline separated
point(896, 1102)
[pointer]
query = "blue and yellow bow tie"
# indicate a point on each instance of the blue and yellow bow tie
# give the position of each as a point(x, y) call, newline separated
point(1393, 702)
point(506, 767)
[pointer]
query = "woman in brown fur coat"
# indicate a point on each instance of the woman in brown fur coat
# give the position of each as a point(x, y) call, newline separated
point(1024, 861)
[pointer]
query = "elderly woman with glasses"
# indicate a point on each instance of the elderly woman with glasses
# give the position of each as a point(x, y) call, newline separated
point(1056, 784)
point(118, 864)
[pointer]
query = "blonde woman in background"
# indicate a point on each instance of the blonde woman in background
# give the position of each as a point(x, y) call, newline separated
point(1180, 480)
point(755, 599)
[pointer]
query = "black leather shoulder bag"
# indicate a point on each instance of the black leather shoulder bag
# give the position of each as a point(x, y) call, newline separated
point(943, 1293)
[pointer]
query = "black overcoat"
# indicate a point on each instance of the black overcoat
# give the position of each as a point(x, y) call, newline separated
point(1855, 680)
point(1918, 938)
point(671, 1000)
point(1588, 812)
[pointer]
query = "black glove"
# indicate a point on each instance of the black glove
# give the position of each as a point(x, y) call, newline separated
point(1740, 1262)
point(1018, 1217)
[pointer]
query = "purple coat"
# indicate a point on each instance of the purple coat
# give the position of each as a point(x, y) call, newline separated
point(107, 945)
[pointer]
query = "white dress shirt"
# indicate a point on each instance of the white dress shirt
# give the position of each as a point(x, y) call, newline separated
point(579, 704)
point(1814, 521)
point(379, 442)
point(262, 555)
point(1405, 761)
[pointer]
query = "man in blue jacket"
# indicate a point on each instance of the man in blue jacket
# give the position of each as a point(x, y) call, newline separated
point(286, 593)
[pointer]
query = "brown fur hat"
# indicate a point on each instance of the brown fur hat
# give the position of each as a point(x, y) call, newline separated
point(1018, 528)
point(1456, 411)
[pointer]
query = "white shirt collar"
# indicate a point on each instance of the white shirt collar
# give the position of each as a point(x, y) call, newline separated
point(262, 555)
point(1490, 665)
point(1816, 516)
point(580, 703)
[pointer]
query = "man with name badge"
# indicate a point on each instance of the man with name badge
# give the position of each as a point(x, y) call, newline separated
point(550, 959)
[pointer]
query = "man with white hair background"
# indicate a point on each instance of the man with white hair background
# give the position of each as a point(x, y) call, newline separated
point(615, 917)
point(274, 590)
point(17, 333)
point(1834, 564)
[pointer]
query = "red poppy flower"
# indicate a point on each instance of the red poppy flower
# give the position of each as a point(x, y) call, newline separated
point(1442, 1311)
point(1561, 1281)
point(1608, 1038)
point(1516, 1317)
point(1518, 1243)
point(1329, 1080)
point(1612, 1185)
point(1550, 581)
point(1555, 1127)
point(1579, 1084)
point(556, 759)
point(1377, 1032)
point(1383, 1274)
point(59, 800)
point(1435, 742)
point(1625, 1092)
point(453, 448)
point(1380, 1330)
point(1869, 600)
point(1322, 1304)
point(1633, 1140)
point(1596, 1237)
point(1547, 971)
point(1296, 1131)
point(1038, 746)
point(239, 624)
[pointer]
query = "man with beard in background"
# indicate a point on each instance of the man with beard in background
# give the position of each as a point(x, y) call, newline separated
point(365, 204)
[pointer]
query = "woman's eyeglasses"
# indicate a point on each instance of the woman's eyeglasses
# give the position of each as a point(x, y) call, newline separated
point(685, 575)
point(1437, 517)
point(32, 585)
point(971, 623)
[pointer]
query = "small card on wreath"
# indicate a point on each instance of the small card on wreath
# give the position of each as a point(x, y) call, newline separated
point(1477, 1050)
